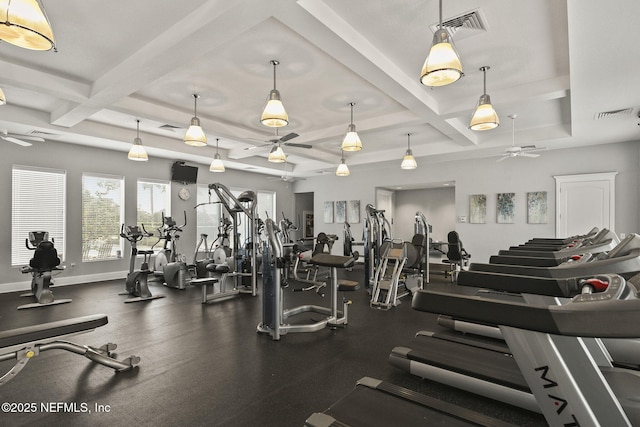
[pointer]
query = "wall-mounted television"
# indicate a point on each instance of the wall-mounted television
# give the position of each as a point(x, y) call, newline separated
point(183, 173)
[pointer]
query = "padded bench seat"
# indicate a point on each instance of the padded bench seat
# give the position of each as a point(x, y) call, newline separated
point(49, 330)
point(328, 260)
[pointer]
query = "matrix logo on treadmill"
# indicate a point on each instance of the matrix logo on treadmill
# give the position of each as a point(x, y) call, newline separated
point(558, 402)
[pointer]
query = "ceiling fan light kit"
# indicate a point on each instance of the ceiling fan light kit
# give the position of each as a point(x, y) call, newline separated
point(276, 155)
point(23, 23)
point(3, 99)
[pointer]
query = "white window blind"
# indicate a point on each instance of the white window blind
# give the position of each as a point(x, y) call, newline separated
point(37, 204)
point(102, 215)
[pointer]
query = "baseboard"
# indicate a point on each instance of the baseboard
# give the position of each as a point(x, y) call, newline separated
point(66, 280)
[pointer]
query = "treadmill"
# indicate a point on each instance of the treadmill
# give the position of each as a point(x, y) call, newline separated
point(623, 259)
point(544, 366)
point(604, 241)
point(375, 403)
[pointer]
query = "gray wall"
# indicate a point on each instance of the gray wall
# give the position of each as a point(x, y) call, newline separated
point(437, 204)
point(486, 176)
point(78, 159)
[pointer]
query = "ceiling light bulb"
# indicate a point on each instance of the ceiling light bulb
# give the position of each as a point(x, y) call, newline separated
point(277, 155)
point(3, 99)
point(484, 117)
point(216, 164)
point(274, 114)
point(195, 136)
point(351, 141)
point(443, 65)
point(409, 162)
point(24, 23)
point(137, 153)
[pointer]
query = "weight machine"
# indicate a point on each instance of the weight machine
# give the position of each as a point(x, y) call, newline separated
point(376, 230)
point(238, 273)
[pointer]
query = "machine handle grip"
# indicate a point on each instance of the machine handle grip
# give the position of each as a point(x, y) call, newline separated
point(594, 284)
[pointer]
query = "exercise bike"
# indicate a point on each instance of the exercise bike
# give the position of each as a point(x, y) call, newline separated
point(174, 270)
point(136, 283)
point(45, 260)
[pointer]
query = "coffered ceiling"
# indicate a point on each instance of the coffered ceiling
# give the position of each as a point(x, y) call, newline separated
point(566, 68)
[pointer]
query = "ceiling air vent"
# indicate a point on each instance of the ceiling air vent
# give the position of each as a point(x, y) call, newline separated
point(467, 24)
point(169, 127)
point(612, 113)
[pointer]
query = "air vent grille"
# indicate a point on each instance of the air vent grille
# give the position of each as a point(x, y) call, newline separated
point(169, 127)
point(466, 24)
point(607, 114)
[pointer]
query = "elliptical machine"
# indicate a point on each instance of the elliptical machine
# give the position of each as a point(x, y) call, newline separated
point(45, 260)
point(174, 269)
point(136, 283)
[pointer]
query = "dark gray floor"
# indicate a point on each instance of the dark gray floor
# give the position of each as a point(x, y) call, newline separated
point(206, 365)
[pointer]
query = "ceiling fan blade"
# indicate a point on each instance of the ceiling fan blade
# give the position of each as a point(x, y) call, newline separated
point(293, 144)
point(288, 136)
point(16, 141)
point(525, 154)
point(253, 147)
point(503, 158)
point(27, 137)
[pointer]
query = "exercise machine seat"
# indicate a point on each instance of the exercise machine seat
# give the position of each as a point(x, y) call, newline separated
point(328, 260)
point(45, 257)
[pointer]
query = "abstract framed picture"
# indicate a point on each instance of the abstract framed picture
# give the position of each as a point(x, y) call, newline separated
point(353, 211)
point(341, 211)
point(537, 207)
point(506, 208)
point(328, 212)
point(478, 209)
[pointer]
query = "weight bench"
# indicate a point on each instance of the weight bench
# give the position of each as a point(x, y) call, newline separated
point(24, 343)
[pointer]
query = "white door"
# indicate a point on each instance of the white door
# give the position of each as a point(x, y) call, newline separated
point(384, 201)
point(583, 202)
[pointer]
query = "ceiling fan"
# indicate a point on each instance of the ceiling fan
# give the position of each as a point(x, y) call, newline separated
point(282, 140)
point(19, 139)
point(287, 177)
point(519, 151)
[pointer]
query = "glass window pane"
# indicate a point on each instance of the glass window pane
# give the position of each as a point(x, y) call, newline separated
point(102, 215)
point(154, 200)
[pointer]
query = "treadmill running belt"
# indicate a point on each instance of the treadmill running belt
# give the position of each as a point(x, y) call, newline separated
point(389, 405)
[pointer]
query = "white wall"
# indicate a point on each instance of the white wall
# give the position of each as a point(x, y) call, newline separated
point(486, 176)
point(78, 159)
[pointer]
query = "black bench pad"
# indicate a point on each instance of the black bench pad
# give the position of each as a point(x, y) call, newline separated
point(328, 260)
point(48, 330)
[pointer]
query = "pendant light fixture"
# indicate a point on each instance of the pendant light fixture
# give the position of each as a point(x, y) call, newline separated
point(216, 164)
point(195, 135)
point(274, 115)
point(24, 23)
point(442, 66)
point(409, 162)
point(137, 153)
point(351, 141)
point(343, 169)
point(276, 155)
point(3, 99)
point(484, 117)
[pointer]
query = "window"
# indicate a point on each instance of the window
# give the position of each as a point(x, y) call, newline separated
point(207, 215)
point(38, 203)
point(102, 215)
point(154, 200)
